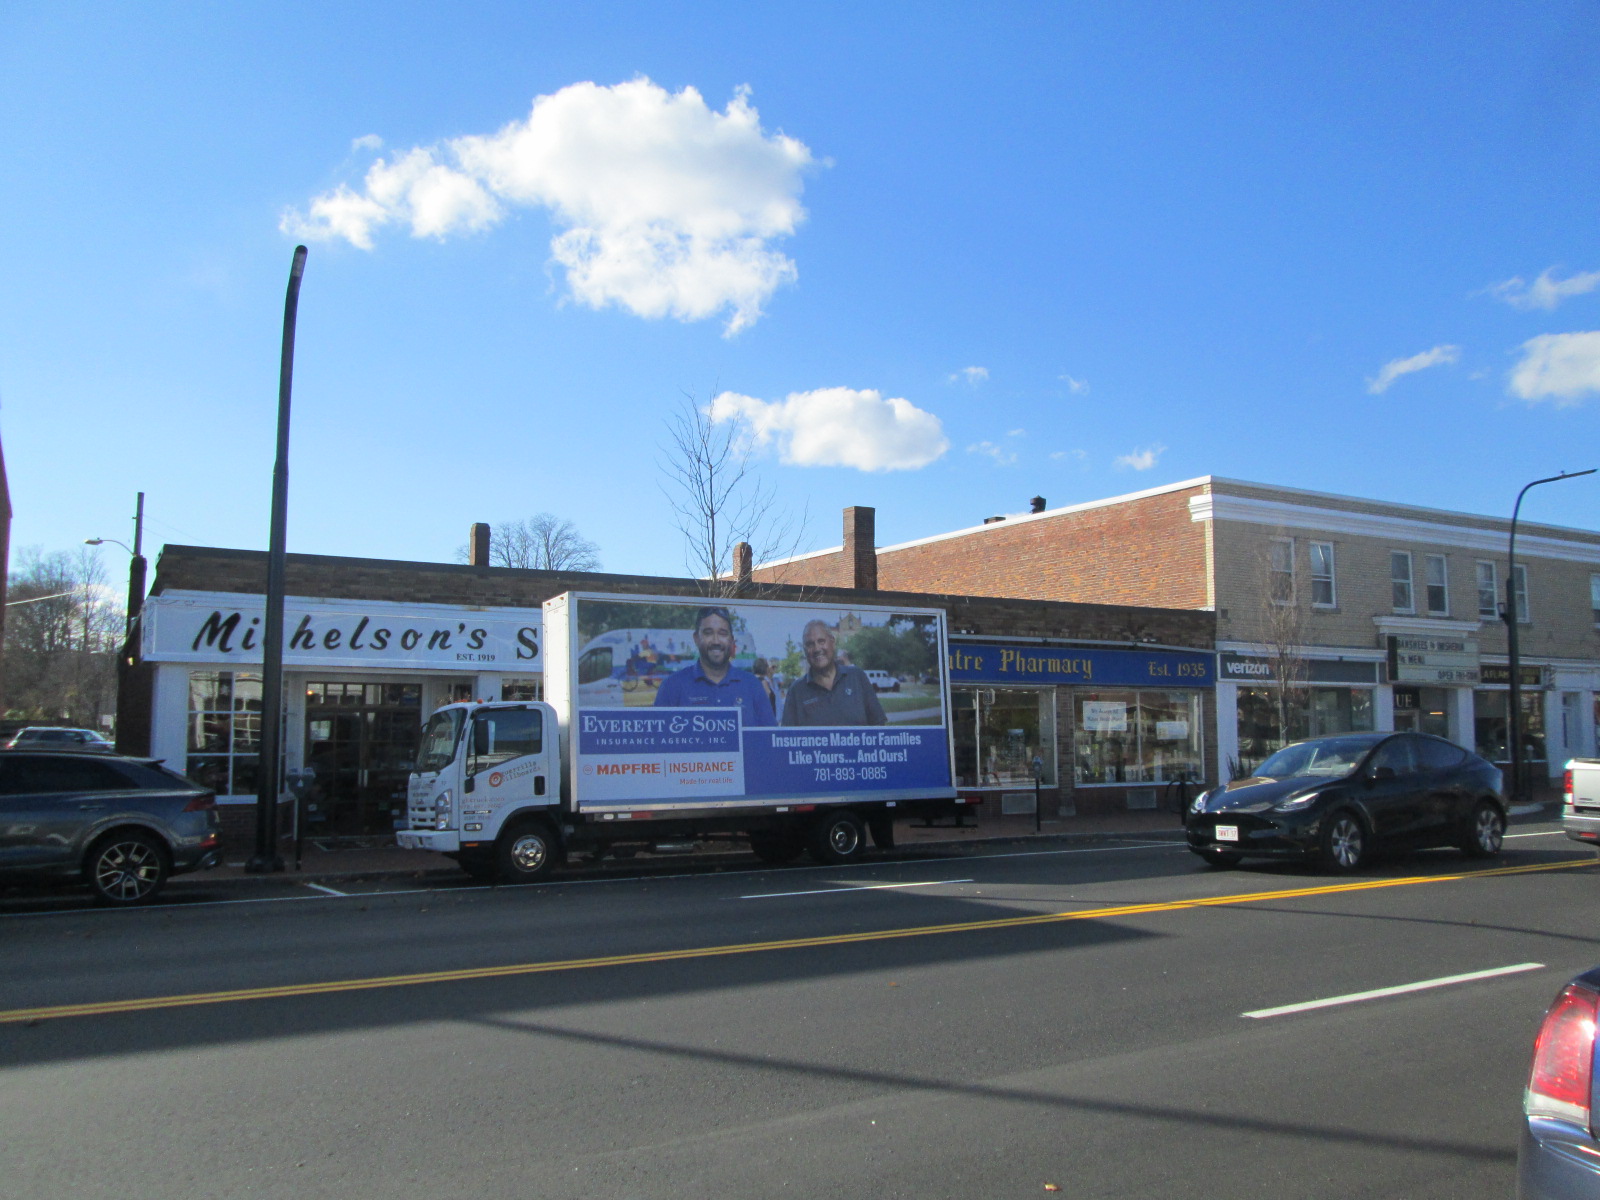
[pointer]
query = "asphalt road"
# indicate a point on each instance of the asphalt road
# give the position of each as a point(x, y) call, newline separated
point(997, 1023)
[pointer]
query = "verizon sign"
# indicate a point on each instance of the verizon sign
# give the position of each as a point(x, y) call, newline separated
point(214, 627)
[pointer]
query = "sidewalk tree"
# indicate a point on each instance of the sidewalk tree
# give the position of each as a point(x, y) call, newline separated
point(64, 625)
point(718, 497)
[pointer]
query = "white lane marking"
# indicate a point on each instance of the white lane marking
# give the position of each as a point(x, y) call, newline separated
point(1402, 989)
point(326, 891)
point(863, 887)
point(1545, 833)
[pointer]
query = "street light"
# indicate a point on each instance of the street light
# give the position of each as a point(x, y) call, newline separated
point(1509, 616)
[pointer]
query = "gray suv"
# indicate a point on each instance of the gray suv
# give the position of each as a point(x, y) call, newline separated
point(121, 825)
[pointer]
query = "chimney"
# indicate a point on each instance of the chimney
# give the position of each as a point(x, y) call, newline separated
point(861, 549)
point(743, 564)
point(1036, 505)
point(478, 545)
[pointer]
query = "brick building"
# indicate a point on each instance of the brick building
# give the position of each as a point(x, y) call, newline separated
point(373, 646)
point(1333, 613)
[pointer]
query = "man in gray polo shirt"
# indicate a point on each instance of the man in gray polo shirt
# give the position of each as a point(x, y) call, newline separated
point(831, 692)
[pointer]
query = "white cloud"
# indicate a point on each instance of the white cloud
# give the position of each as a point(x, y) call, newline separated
point(1076, 455)
point(839, 427)
point(665, 206)
point(1563, 367)
point(367, 141)
point(1391, 371)
point(973, 375)
point(1016, 433)
point(1142, 459)
point(1546, 291)
point(1000, 454)
point(1078, 387)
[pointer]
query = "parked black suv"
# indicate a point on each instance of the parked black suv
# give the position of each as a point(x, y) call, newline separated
point(121, 825)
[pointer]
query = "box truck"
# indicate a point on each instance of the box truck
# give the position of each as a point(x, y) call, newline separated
point(670, 721)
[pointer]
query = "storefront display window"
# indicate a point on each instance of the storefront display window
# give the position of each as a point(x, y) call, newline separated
point(1311, 711)
point(1136, 736)
point(1490, 712)
point(224, 743)
point(1422, 710)
point(998, 734)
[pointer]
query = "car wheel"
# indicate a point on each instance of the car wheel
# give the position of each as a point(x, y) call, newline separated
point(837, 837)
point(776, 848)
point(1223, 860)
point(1344, 842)
point(1486, 830)
point(127, 867)
point(526, 852)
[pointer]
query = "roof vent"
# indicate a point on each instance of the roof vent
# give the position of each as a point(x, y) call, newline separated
point(1036, 505)
point(992, 520)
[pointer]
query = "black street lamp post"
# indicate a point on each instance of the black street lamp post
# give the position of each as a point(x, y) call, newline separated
point(266, 857)
point(1510, 617)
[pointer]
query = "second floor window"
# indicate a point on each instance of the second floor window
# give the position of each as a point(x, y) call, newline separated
point(1322, 593)
point(1594, 596)
point(1282, 582)
point(1489, 592)
point(1438, 585)
point(1520, 583)
point(1400, 581)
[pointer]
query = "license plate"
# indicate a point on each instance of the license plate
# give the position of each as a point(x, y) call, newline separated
point(1227, 833)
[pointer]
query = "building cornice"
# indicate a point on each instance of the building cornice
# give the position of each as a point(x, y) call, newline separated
point(1245, 510)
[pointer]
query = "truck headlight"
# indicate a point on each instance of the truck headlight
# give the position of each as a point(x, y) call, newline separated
point(441, 809)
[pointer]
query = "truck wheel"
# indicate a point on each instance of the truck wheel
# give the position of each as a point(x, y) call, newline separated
point(837, 836)
point(526, 852)
point(776, 848)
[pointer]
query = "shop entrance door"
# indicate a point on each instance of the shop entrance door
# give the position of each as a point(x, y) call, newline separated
point(361, 741)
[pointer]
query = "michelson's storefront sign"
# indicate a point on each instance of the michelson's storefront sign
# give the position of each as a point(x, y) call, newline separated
point(213, 627)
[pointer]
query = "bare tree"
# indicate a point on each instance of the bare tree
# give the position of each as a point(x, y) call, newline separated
point(718, 498)
point(63, 629)
point(543, 542)
point(1284, 615)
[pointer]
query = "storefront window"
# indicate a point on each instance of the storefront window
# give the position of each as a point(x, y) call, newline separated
point(1490, 711)
point(1136, 737)
point(1311, 712)
point(1422, 710)
point(224, 731)
point(998, 734)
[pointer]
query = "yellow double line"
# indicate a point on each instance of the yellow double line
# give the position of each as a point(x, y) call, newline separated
point(105, 1007)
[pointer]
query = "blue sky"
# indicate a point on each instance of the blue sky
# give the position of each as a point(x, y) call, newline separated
point(940, 258)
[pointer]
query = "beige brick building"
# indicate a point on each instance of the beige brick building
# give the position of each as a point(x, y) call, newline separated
point(1370, 614)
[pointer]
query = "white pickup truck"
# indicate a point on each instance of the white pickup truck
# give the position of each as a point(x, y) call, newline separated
point(1580, 814)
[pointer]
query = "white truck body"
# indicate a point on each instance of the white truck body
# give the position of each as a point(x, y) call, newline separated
point(663, 760)
point(1580, 810)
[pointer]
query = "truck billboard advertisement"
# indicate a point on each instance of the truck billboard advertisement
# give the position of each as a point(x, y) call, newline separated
point(711, 702)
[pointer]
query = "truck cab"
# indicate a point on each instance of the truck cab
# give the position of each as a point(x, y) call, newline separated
point(480, 769)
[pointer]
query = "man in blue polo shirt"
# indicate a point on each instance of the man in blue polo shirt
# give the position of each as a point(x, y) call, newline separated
point(712, 678)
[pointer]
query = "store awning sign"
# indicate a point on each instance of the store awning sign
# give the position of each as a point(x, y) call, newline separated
point(1420, 658)
point(222, 628)
point(1009, 662)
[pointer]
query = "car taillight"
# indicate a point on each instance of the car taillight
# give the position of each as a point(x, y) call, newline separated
point(1562, 1078)
point(201, 803)
point(1566, 785)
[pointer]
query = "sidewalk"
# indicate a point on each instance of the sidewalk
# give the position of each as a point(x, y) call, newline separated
point(380, 858)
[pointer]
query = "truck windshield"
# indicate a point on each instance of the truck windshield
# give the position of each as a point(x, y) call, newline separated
point(439, 740)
